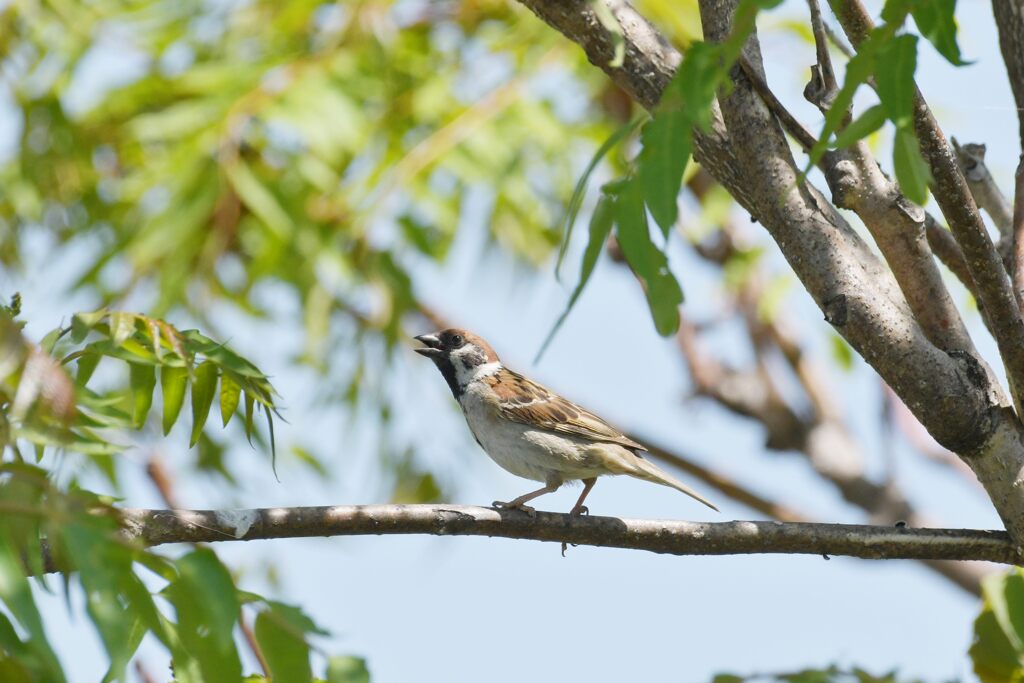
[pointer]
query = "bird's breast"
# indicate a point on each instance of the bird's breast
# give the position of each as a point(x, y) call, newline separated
point(524, 450)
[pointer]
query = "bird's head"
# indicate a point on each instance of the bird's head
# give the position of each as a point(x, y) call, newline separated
point(461, 356)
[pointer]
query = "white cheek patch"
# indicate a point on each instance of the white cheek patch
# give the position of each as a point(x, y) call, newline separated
point(485, 370)
point(468, 366)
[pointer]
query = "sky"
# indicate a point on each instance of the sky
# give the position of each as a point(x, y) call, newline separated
point(463, 609)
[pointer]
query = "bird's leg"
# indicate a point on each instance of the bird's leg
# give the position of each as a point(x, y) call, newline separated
point(519, 503)
point(579, 508)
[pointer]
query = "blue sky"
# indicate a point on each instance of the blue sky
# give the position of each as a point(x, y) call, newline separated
point(463, 609)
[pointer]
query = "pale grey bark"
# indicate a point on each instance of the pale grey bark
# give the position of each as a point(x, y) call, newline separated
point(157, 527)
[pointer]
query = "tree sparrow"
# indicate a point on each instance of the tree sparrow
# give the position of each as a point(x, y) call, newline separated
point(531, 431)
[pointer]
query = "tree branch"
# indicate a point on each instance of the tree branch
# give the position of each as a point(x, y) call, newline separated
point(157, 527)
point(971, 159)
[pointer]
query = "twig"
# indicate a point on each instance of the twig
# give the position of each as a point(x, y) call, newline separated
point(804, 137)
point(822, 89)
point(971, 158)
point(838, 41)
point(157, 527)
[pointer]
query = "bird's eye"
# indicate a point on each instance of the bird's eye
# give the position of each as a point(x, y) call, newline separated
point(457, 340)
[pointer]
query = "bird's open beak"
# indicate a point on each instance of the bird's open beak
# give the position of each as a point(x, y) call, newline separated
point(431, 346)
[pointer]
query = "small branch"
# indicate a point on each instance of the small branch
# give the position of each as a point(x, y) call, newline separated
point(838, 41)
point(899, 229)
point(796, 130)
point(822, 89)
point(944, 246)
point(971, 159)
point(157, 527)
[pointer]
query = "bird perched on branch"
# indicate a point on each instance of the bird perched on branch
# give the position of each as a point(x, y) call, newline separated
point(531, 431)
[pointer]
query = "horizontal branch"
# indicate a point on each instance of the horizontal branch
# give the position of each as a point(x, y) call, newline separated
point(156, 527)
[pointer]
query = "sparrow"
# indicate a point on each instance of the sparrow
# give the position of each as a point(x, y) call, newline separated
point(531, 431)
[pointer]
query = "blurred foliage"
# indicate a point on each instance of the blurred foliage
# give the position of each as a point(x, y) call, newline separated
point(832, 674)
point(190, 604)
point(998, 648)
point(42, 405)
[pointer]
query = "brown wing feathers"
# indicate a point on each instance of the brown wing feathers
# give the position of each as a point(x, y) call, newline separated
point(524, 401)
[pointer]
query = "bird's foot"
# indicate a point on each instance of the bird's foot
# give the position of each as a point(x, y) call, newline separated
point(579, 510)
point(499, 505)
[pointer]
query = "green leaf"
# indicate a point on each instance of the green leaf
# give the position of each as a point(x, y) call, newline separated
point(172, 383)
point(273, 445)
point(911, 170)
point(663, 292)
point(86, 366)
point(230, 391)
point(935, 19)
point(142, 380)
point(204, 383)
point(666, 148)
point(576, 201)
point(347, 670)
point(249, 401)
point(864, 125)
point(207, 606)
point(600, 227)
point(281, 632)
point(122, 326)
point(894, 74)
point(998, 648)
point(260, 199)
point(118, 603)
point(83, 323)
point(17, 598)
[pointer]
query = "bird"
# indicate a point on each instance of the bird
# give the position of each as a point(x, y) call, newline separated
point(530, 430)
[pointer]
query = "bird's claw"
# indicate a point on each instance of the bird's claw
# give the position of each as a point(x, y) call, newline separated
point(499, 505)
point(579, 510)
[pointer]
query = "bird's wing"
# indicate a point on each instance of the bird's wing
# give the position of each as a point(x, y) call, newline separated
point(523, 400)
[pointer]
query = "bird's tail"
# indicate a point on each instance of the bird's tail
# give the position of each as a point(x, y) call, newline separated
point(647, 471)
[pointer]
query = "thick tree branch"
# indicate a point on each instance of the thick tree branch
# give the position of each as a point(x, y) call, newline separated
point(898, 228)
point(157, 527)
